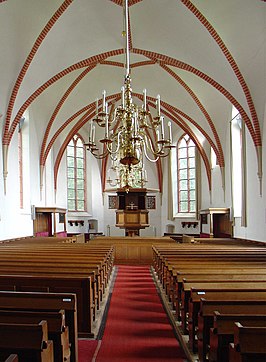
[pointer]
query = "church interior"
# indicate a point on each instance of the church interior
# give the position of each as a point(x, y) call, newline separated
point(133, 166)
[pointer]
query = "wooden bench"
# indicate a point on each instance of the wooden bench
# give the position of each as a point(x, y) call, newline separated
point(185, 272)
point(65, 283)
point(206, 318)
point(222, 274)
point(89, 267)
point(29, 341)
point(174, 287)
point(249, 344)
point(101, 259)
point(223, 299)
point(167, 260)
point(201, 288)
point(222, 332)
point(48, 302)
point(57, 330)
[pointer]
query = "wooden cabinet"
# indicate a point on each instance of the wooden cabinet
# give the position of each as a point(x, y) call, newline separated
point(47, 221)
point(215, 222)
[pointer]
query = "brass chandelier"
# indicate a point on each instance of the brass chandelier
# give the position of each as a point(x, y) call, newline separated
point(130, 131)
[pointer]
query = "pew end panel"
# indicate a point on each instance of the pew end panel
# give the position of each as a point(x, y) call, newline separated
point(29, 341)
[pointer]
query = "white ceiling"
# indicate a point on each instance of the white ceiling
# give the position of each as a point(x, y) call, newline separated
point(171, 28)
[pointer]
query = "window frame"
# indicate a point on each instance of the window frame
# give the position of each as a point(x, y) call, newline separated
point(75, 139)
point(187, 146)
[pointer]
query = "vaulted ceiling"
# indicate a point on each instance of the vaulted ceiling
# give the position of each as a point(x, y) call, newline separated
point(201, 56)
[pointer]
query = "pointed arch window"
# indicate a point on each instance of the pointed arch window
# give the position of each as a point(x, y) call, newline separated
point(76, 175)
point(186, 178)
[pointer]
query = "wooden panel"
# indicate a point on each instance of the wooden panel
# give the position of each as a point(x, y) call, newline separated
point(145, 253)
point(132, 250)
point(121, 252)
point(133, 253)
point(41, 223)
point(143, 218)
point(132, 218)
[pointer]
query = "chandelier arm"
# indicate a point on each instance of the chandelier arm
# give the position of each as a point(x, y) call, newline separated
point(147, 156)
point(100, 156)
point(118, 145)
point(150, 146)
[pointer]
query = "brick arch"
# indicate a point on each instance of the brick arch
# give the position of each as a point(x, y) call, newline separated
point(83, 63)
point(79, 78)
point(86, 109)
point(130, 2)
point(219, 151)
point(184, 66)
point(220, 156)
point(233, 64)
point(58, 107)
point(178, 120)
point(29, 59)
point(73, 131)
point(174, 111)
point(101, 58)
point(89, 62)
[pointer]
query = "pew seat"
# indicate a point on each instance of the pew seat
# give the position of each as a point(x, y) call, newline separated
point(29, 341)
point(48, 302)
point(249, 344)
point(222, 333)
point(57, 329)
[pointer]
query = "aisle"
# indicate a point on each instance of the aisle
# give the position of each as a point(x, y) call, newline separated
point(137, 328)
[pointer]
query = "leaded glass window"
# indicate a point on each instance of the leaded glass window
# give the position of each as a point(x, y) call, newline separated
point(76, 175)
point(186, 175)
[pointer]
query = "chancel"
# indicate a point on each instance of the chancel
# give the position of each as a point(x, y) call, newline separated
point(132, 180)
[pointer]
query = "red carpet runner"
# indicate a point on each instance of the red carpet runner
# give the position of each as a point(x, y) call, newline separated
point(137, 327)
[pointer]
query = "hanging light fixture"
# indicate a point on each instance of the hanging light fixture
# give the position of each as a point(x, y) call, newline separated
point(130, 131)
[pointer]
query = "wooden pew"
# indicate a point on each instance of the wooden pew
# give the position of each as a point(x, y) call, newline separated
point(223, 297)
point(222, 277)
point(56, 267)
point(101, 259)
point(29, 341)
point(202, 287)
point(166, 260)
point(95, 273)
point(206, 318)
point(52, 302)
point(222, 332)
point(57, 330)
point(249, 344)
point(65, 283)
point(73, 261)
point(238, 271)
point(222, 274)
